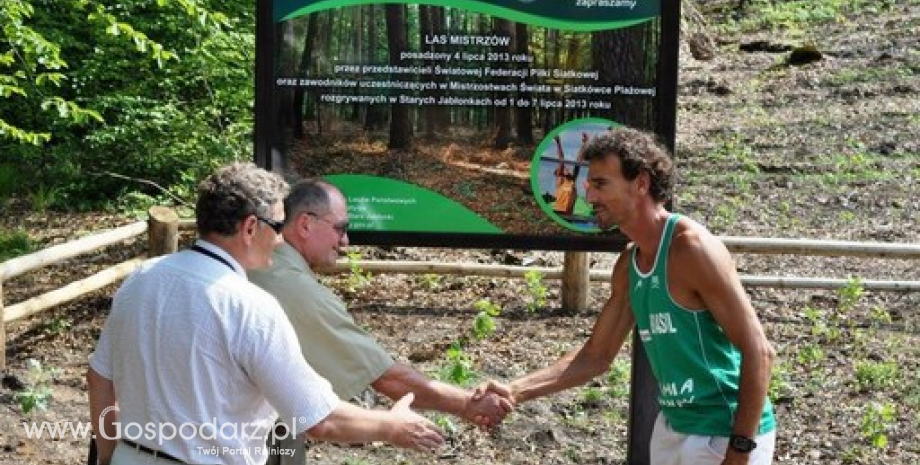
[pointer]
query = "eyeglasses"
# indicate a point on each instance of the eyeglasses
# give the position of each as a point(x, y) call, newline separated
point(275, 225)
point(341, 228)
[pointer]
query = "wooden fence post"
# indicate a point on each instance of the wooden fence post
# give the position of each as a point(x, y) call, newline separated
point(575, 281)
point(163, 231)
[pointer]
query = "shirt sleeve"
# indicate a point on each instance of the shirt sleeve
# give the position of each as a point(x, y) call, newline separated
point(270, 355)
point(333, 344)
point(101, 358)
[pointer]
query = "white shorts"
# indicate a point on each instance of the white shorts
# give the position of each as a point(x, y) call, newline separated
point(672, 448)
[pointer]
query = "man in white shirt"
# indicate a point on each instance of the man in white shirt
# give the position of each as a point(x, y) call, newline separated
point(195, 363)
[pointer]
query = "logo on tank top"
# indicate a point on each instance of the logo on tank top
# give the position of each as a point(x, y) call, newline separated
point(674, 396)
point(655, 283)
point(660, 323)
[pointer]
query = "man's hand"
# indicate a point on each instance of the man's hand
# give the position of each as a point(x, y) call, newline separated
point(494, 389)
point(411, 430)
point(487, 409)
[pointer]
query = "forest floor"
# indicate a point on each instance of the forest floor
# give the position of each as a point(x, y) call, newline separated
point(825, 150)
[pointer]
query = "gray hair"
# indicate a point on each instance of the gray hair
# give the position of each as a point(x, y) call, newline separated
point(308, 195)
point(234, 192)
point(638, 152)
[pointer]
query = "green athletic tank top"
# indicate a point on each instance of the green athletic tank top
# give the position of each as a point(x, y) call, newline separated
point(697, 368)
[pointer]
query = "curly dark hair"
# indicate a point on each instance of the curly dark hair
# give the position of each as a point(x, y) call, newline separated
point(234, 192)
point(638, 151)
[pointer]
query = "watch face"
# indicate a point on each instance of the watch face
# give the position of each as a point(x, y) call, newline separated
point(741, 443)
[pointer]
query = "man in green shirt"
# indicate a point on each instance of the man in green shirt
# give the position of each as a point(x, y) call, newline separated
point(675, 282)
point(315, 234)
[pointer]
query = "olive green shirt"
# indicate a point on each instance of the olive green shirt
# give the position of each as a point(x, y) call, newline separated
point(331, 342)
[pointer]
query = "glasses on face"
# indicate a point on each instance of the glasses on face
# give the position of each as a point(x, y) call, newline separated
point(341, 228)
point(275, 225)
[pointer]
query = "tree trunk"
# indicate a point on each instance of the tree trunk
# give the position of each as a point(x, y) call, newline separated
point(303, 70)
point(426, 31)
point(523, 116)
point(374, 116)
point(501, 129)
point(628, 57)
point(400, 129)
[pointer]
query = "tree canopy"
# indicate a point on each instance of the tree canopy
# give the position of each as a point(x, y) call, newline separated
point(96, 97)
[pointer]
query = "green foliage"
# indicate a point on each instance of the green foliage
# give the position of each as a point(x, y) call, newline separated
point(430, 281)
point(879, 315)
point(37, 393)
point(357, 276)
point(811, 355)
point(874, 376)
point(536, 290)
point(779, 381)
point(459, 367)
point(14, 244)
point(796, 16)
point(484, 323)
point(592, 396)
point(59, 324)
point(617, 378)
point(162, 94)
point(876, 421)
point(849, 295)
point(9, 180)
point(446, 424)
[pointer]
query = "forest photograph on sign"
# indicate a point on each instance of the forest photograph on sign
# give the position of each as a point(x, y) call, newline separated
point(461, 122)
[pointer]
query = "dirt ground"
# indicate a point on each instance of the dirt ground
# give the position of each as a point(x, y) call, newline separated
point(826, 150)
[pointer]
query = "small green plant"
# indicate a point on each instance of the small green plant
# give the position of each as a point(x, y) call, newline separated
point(446, 424)
point(37, 393)
point(484, 323)
point(779, 381)
point(14, 244)
point(811, 355)
point(357, 276)
point(430, 281)
point(846, 216)
point(726, 215)
point(871, 376)
point(876, 421)
point(878, 315)
point(592, 396)
point(44, 197)
point(59, 324)
point(850, 294)
point(617, 378)
point(536, 289)
point(459, 367)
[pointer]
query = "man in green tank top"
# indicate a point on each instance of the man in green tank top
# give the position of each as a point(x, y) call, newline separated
point(677, 284)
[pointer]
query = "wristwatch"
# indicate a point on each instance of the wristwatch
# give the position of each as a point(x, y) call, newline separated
point(741, 443)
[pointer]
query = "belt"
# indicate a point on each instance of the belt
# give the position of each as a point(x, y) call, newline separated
point(155, 453)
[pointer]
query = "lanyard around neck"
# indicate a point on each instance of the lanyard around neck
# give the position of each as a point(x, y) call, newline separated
point(208, 253)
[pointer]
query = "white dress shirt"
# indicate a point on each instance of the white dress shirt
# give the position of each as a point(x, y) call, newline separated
point(190, 343)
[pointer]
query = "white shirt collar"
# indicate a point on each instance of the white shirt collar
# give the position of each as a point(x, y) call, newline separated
point(221, 253)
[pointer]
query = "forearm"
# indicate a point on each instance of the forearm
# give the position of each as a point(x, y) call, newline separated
point(101, 397)
point(574, 369)
point(754, 385)
point(351, 424)
point(401, 379)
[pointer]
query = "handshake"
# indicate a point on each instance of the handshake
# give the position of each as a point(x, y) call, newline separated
point(489, 404)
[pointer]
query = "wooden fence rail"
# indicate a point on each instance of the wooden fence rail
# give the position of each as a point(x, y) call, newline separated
point(163, 226)
point(510, 271)
point(162, 238)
